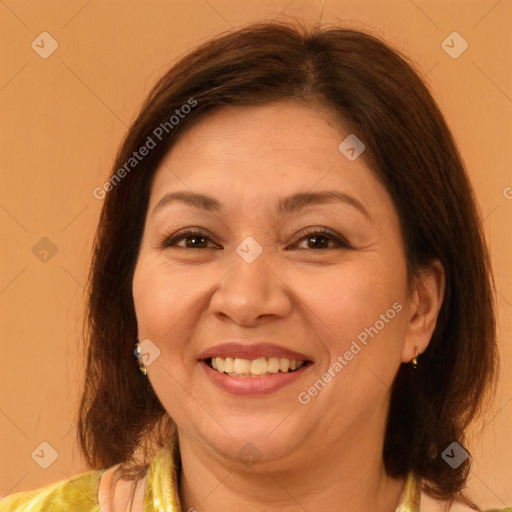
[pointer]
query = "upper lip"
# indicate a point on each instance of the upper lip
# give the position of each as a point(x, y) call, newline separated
point(236, 349)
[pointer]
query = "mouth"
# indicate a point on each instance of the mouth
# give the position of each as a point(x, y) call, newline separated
point(254, 368)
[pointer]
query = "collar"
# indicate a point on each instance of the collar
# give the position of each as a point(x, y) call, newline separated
point(162, 493)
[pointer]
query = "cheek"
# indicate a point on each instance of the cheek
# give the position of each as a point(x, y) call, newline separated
point(358, 316)
point(161, 307)
point(162, 297)
point(349, 298)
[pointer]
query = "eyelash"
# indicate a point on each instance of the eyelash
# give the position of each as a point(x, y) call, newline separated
point(340, 242)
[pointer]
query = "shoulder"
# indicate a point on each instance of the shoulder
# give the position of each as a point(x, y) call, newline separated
point(429, 504)
point(79, 494)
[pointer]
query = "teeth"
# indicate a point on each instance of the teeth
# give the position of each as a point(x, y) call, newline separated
point(238, 367)
point(241, 365)
point(229, 365)
point(273, 365)
point(259, 366)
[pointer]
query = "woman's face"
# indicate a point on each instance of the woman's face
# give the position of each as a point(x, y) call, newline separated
point(282, 270)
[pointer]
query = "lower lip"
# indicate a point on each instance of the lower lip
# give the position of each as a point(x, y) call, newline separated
point(253, 386)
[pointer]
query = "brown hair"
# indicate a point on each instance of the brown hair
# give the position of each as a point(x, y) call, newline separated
point(379, 96)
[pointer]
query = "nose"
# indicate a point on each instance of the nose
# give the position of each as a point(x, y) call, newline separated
point(250, 292)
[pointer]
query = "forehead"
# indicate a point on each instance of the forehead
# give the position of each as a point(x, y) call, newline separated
point(241, 154)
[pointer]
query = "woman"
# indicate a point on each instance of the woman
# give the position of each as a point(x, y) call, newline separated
point(290, 251)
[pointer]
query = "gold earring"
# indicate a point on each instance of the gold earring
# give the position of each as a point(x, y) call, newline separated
point(415, 358)
point(138, 355)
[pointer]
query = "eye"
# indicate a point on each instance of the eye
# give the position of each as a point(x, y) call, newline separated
point(321, 237)
point(197, 239)
point(194, 239)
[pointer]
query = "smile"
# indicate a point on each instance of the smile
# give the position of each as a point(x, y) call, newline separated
point(239, 367)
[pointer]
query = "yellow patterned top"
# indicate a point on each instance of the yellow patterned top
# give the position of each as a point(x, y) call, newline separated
point(80, 493)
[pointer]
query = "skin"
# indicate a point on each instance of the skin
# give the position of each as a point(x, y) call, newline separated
point(325, 455)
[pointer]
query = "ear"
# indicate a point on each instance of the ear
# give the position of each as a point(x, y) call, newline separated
point(423, 309)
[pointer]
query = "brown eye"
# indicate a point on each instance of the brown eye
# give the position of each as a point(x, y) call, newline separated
point(193, 240)
point(321, 238)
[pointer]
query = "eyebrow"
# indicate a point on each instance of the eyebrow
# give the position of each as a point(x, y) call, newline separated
point(286, 205)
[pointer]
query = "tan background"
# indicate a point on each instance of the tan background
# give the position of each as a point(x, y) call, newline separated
point(63, 118)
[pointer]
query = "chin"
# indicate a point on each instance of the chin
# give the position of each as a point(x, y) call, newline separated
point(251, 442)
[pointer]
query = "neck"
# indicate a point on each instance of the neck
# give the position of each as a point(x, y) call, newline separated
point(347, 476)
